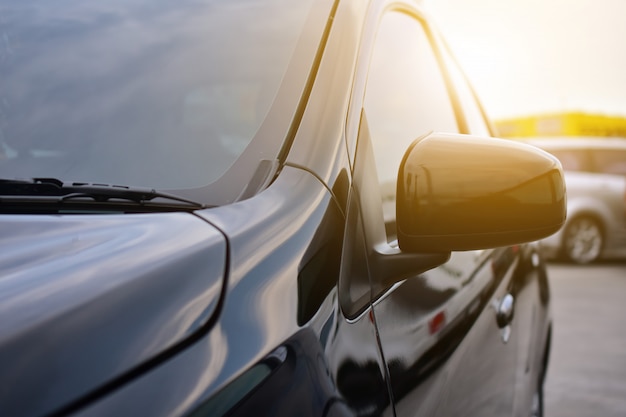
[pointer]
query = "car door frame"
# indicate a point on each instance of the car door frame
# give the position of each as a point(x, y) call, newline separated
point(356, 128)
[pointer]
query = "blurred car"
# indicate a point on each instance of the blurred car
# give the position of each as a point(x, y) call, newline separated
point(595, 176)
point(194, 214)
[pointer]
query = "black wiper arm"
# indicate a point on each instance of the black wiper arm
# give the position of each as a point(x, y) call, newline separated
point(98, 192)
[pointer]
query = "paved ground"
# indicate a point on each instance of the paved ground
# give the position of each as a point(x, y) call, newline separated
point(587, 373)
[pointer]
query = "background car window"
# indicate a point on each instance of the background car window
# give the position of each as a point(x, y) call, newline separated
point(406, 97)
point(610, 161)
point(572, 159)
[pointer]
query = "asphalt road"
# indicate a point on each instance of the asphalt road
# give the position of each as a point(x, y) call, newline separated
point(587, 372)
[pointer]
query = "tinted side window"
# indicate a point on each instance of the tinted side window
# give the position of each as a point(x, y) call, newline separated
point(406, 97)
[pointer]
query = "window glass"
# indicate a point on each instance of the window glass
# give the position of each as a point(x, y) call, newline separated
point(572, 159)
point(406, 97)
point(610, 161)
point(474, 117)
point(164, 95)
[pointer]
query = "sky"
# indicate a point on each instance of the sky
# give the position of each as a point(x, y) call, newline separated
point(528, 57)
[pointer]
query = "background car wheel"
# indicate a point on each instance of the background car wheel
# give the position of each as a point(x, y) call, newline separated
point(583, 240)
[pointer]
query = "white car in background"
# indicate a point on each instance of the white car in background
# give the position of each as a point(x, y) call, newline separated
point(595, 177)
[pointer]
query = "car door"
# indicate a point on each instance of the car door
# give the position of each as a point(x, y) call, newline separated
point(444, 351)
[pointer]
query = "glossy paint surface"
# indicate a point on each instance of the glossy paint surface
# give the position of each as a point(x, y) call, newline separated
point(285, 252)
point(459, 192)
point(290, 300)
point(85, 299)
point(446, 352)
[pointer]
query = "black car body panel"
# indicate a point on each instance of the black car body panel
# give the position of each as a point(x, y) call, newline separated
point(288, 294)
point(88, 299)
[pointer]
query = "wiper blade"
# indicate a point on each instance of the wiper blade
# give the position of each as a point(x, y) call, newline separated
point(52, 187)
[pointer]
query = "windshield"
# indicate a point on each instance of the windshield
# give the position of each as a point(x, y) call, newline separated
point(161, 94)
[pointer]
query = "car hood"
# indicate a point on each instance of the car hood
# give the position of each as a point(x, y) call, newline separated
point(86, 299)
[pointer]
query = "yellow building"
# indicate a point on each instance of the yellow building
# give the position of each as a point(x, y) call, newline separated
point(562, 124)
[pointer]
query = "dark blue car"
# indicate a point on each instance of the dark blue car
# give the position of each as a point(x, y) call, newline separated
point(261, 208)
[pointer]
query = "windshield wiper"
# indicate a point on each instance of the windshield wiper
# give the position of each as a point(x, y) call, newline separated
point(101, 193)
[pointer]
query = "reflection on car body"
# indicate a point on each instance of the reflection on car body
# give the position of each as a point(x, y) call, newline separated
point(266, 208)
point(595, 175)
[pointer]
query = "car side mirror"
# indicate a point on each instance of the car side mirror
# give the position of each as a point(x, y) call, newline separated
point(462, 192)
